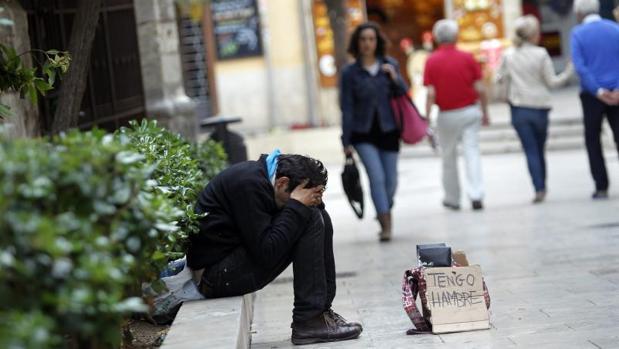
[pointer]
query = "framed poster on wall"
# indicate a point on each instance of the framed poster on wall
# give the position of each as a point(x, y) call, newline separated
point(236, 28)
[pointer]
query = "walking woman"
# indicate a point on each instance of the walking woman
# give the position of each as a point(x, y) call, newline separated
point(528, 73)
point(368, 124)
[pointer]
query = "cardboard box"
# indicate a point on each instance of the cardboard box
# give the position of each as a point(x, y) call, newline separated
point(455, 298)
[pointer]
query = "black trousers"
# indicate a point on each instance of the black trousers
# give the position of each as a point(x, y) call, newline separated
point(593, 112)
point(313, 266)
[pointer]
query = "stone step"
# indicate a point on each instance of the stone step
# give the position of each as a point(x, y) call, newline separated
point(509, 133)
point(565, 133)
point(212, 323)
point(565, 141)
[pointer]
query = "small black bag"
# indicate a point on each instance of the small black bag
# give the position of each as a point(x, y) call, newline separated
point(352, 186)
point(434, 255)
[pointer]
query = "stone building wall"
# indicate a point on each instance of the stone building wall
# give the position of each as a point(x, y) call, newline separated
point(14, 32)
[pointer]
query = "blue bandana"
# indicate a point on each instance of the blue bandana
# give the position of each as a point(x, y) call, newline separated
point(271, 162)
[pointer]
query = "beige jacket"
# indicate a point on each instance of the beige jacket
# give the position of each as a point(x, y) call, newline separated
point(528, 72)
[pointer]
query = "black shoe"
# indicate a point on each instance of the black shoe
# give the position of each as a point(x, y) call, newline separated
point(600, 195)
point(453, 207)
point(322, 328)
point(339, 319)
point(477, 205)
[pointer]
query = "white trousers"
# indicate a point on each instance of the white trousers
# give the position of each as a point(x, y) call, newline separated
point(455, 127)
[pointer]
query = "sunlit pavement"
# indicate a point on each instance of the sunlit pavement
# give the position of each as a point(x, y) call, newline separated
point(552, 269)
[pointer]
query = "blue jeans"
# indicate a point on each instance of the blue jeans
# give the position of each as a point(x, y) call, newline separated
point(382, 170)
point(531, 124)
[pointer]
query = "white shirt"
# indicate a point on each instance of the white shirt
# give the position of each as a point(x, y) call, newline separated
point(373, 69)
point(529, 74)
point(592, 18)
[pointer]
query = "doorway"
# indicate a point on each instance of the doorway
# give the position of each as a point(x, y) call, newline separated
point(400, 19)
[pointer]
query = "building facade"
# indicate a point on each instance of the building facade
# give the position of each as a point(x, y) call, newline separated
point(268, 61)
point(292, 82)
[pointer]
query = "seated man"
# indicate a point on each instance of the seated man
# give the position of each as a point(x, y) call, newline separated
point(261, 216)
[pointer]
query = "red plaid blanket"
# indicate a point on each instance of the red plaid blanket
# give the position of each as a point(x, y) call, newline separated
point(413, 284)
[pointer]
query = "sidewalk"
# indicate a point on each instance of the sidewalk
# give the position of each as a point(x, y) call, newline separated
point(324, 143)
point(551, 269)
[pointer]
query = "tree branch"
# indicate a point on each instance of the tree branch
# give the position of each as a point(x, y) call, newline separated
point(74, 84)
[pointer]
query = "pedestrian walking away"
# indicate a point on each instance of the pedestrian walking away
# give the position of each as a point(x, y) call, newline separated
point(528, 73)
point(595, 48)
point(453, 78)
point(260, 217)
point(368, 124)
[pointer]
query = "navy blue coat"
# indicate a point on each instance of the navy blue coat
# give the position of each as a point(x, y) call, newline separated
point(363, 95)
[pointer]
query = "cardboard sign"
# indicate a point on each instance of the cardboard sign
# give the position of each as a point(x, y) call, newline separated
point(455, 299)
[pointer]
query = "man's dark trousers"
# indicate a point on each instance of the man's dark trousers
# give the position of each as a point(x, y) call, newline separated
point(594, 111)
point(313, 267)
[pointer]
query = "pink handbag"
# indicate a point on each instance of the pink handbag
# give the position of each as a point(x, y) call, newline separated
point(413, 128)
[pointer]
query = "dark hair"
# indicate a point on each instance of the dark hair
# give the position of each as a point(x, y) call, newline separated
point(381, 41)
point(299, 168)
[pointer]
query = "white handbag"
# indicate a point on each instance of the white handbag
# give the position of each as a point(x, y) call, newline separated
point(500, 91)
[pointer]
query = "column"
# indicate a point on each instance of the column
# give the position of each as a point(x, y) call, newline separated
point(14, 33)
point(162, 76)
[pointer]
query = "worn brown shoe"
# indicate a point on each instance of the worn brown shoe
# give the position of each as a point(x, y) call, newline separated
point(385, 224)
point(322, 328)
point(539, 197)
point(339, 319)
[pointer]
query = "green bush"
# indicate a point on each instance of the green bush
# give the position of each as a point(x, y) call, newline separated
point(27, 330)
point(180, 169)
point(83, 220)
point(212, 158)
point(15, 76)
point(80, 224)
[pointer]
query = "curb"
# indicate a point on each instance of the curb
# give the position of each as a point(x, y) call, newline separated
point(212, 323)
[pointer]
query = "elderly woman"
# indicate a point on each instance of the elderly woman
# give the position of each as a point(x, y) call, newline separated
point(528, 73)
point(453, 79)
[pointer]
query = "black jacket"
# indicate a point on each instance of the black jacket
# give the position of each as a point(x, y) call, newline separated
point(363, 96)
point(240, 203)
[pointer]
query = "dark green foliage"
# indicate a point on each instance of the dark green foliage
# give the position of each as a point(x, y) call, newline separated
point(180, 169)
point(14, 76)
point(85, 219)
point(212, 158)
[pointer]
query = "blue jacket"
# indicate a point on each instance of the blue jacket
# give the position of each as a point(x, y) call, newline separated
point(595, 53)
point(363, 95)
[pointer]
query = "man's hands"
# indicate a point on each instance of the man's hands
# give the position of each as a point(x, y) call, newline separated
point(608, 97)
point(308, 196)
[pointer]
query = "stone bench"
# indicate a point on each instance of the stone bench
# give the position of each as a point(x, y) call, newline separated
point(212, 323)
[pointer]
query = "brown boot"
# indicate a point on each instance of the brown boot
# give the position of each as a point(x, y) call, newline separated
point(340, 321)
point(323, 328)
point(385, 224)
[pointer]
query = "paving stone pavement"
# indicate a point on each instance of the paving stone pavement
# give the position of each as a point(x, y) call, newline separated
point(552, 269)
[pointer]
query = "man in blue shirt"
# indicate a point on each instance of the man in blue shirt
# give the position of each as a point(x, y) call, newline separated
point(595, 53)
